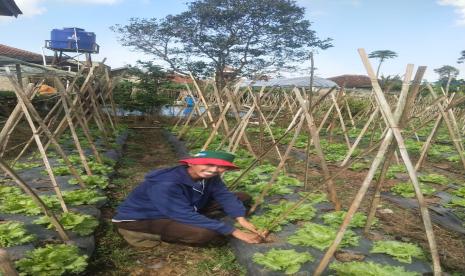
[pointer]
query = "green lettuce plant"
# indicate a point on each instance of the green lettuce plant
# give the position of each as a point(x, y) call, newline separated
point(83, 196)
point(13, 233)
point(369, 269)
point(334, 219)
point(25, 165)
point(401, 251)
point(321, 236)
point(405, 189)
point(53, 260)
point(81, 224)
point(288, 260)
point(434, 178)
point(303, 212)
point(92, 181)
point(23, 204)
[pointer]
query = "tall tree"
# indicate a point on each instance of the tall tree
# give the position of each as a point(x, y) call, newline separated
point(382, 55)
point(446, 74)
point(244, 36)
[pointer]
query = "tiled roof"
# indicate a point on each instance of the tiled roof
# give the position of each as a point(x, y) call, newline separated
point(352, 81)
point(24, 55)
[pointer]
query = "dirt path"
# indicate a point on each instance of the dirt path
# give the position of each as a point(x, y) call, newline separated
point(146, 150)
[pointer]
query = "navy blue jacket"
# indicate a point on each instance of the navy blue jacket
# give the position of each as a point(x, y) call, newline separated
point(172, 193)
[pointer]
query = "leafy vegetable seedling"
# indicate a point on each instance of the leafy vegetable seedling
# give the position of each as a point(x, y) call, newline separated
point(53, 260)
point(401, 251)
point(280, 259)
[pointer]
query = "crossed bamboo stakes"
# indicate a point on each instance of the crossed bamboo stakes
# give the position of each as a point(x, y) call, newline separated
point(302, 106)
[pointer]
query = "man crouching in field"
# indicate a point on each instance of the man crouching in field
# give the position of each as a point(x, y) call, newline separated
point(177, 204)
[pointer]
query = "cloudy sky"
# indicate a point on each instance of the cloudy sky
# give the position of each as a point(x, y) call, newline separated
point(422, 32)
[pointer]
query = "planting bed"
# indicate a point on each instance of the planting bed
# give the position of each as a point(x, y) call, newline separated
point(15, 206)
point(361, 251)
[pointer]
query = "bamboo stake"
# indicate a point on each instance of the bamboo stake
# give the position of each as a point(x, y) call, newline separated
point(341, 120)
point(7, 268)
point(457, 143)
point(276, 172)
point(217, 126)
point(30, 111)
point(393, 132)
point(316, 142)
point(400, 112)
point(36, 199)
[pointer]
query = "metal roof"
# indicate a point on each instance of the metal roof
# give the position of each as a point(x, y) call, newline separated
point(291, 82)
point(30, 69)
point(9, 8)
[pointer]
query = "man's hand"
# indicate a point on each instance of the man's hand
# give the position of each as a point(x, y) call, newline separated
point(249, 226)
point(247, 237)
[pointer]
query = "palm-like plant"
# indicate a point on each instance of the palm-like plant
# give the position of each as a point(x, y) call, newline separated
point(382, 55)
point(462, 57)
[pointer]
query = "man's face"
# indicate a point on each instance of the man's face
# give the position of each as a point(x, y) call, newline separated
point(205, 171)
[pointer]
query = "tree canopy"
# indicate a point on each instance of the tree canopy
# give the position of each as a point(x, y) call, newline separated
point(447, 71)
point(382, 55)
point(241, 36)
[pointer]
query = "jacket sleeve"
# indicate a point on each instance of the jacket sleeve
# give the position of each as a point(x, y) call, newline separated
point(232, 206)
point(169, 199)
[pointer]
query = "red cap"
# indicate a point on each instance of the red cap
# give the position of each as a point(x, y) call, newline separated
point(211, 157)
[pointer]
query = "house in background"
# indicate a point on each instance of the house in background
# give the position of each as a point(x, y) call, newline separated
point(353, 82)
point(30, 64)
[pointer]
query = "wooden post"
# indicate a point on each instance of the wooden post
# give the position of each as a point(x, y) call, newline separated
point(36, 199)
point(7, 268)
point(276, 172)
point(393, 132)
point(316, 142)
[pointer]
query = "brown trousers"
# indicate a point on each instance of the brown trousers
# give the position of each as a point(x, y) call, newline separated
point(176, 232)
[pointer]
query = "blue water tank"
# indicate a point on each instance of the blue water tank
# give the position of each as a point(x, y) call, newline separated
point(189, 101)
point(65, 40)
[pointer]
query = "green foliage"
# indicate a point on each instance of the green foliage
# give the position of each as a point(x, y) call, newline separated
point(280, 259)
point(52, 260)
point(25, 165)
point(99, 168)
point(459, 192)
point(314, 198)
point(434, 178)
point(216, 34)
point(62, 170)
point(258, 178)
point(369, 269)
point(23, 204)
point(358, 166)
point(81, 224)
point(406, 189)
point(6, 191)
point(304, 212)
point(334, 219)
point(321, 237)
point(92, 181)
point(413, 146)
point(335, 152)
point(401, 251)
point(393, 170)
point(147, 93)
point(457, 202)
point(14, 233)
point(83, 196)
